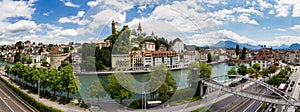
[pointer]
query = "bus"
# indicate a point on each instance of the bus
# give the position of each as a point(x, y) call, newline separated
point(282, 87)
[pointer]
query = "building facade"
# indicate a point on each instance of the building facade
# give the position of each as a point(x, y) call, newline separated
point(120, 62)
point(294, 57)
point(265, 57)
point(137, 60)
point(178, 45)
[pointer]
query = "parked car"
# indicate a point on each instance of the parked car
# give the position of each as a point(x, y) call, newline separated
point(290, 89)
point(233, 84)
point(292, 83)
point(288, 81)
point(271, 109)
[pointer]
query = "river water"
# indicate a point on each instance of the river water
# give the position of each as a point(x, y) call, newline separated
point(180, 77)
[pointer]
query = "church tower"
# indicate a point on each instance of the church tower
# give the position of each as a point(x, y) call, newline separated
point(114, 27)
point(139, 29)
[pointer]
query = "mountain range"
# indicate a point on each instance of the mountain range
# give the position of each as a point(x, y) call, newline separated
point(231, 45)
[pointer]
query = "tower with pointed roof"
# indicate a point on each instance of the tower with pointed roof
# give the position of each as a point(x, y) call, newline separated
point(114, 27)
point(152, 34)
point(139, 29)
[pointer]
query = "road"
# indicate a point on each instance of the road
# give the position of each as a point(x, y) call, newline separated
point(230, 103)
point(295, 91)
point(10, 102)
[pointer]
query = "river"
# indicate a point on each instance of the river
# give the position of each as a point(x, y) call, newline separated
point(180, 77)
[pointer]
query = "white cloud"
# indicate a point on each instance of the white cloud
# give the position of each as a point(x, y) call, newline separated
point(68, 33)
point(21, 26)
point(69, 3)
point(264, 5)
point(214, 37)
point(46, 14)
point(281, 29)
point(296, 10)
point(287, 40)
point(271, 12)
point(244, 18)
point(284, 8)
point(72, 19)
point(16, 9)
point(242, 15)
point(296, 27)
point(92, 3)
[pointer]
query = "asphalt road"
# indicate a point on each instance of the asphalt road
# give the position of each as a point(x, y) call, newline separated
point(10, 102)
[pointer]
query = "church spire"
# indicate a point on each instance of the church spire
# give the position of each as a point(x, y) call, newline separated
point(139, 29)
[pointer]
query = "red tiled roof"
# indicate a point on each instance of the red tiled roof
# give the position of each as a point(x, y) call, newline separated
point(55, 50)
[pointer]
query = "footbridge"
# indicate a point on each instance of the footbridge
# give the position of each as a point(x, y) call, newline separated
point(281, 98)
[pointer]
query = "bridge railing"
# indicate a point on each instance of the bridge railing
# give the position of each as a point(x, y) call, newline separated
point(215, 84)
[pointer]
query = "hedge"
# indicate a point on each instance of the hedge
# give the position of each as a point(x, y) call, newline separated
point(38, 105)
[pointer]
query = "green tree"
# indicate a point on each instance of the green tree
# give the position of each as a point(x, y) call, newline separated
point(55, 81)
point(96, 90)
point(23, 59)
point(66, 50)
point(243, 56)
point(26, 73)
point(209, 58)
point(232, 71)
point(17, 70)
point(205, 70)
point(237, 50)
point(71, 82)
point(256, 66)
point(252, 71)
point(35, 79)
point(272, 69)
point(7, 68)
point(118, 91)
point(265, 73)
point(242, 70)
point(29, 60)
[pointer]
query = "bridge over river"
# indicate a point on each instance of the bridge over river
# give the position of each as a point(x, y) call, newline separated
point(281, 98)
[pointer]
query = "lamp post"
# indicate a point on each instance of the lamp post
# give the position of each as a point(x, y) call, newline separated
point(145, 101)
point(39, 90)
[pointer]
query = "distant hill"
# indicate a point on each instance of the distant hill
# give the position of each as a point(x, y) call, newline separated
point(231, 45)
point(294, 46)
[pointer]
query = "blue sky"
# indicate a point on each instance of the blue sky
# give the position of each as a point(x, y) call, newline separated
point(199, 22)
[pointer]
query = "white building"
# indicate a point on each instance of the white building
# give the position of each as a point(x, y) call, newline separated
point(149, 46)
point(178, 45)
point(148, 62)
point(265, 57)
point(294, 57)
point(189, 56)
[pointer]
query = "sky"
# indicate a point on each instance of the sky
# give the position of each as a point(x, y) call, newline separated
point(198, 22)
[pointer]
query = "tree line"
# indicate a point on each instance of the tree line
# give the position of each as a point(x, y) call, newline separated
point(57, 81)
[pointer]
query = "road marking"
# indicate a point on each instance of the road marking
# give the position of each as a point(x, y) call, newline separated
point(249, 106)
point(7, 105)
point(12, 100)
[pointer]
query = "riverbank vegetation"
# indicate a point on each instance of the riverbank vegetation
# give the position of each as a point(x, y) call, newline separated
point(45, 80)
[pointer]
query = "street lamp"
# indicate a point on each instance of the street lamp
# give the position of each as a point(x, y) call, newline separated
point(39, 90)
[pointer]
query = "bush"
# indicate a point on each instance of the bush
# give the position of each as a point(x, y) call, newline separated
point(39, 106)
point(136, 104)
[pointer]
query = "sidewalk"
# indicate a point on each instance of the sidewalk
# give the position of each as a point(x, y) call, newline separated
point(66, 108)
